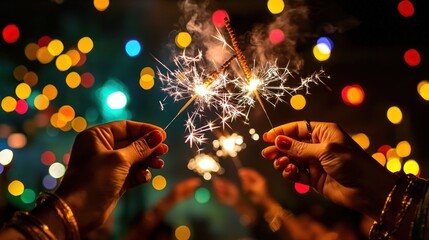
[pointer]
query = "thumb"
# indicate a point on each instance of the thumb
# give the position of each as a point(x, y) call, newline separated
point(143, 147)
point(297, 149)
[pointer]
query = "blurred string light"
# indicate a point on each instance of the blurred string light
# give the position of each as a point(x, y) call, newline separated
point(327, 41)
point(6, 157)
point(85, 45)
point(49, 182)
point(87, 80)
point(23, 91)
point(394, 115)
point(57, 170)
point(31, 50)
point(353, 95)
point(79, 124)
point(380, 158)
point(147, 78)
point(113, 99)
point(159, 182)
point(182, 233)
point(218, 17)
point(31, 78)
point(48, 158)
point(28, 196)
point(423, 89)
point(73, 80)
point(275, 6)
point(44, 41)
point(10, 33)
point(55, 47)
point(411, 166)
point(301, 188)
point(362, 139)
point(412, 57)
point(183, 39)
point(41, 102)
point(276, 36)
point(394, 164)
point(253, 134)
point(202, 195)
point(8, 104)
point(298, 102)
point(17, 140)
point(403, 149)
point(63, 62)
point(205, 165)
point(44, 56)
point(50, 91)
point(406, 8)
point(15, 188)
point(21, 107)
point(101, 5)
point(323, 48)
point(19, 72)
point(116, 100)
point(133, 48)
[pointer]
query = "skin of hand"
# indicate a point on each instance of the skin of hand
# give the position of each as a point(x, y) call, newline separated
point(184, 189)
point(226, 191)
point(254, 184)
point(337, 166)
point(107, 160)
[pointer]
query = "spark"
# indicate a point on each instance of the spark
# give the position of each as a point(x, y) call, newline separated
point(205, 165)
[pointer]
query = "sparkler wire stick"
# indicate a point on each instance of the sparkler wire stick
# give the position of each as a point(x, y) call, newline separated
point(243, 65)
point(207, 83)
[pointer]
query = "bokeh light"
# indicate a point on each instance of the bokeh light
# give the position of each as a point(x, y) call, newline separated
point(423, 89)
point(1, 169)
point(15, 188)
point(380, 158)
point(10, 33)
point(23, 91)
point(55, 47)
point(218, 17)
point(50, 91)
point(8, 104)
point(362, 139)
point(87, 80)
point(182, 232)
point(63, 62)
point(74, 56)
point(276, 36)
point(276, 6)
point(353, 95)
point(146, 81)
point(133, 48)
point(159, 182)
point(298, 102)
point(41, 102)
point(394, 164)
point(31, 78)
point(301, 188)
point(147, 70)
point(411, 166)
point(183, 39)
point(73, 80)
point(57, 170)
point(17, 140)
point(28, 196)
point(394, 114)
point(79, 124)
point(19, 72)
point(31, 51)
point(48, 158)
point(403, 149)
point(49, 182)
point(321, 52)
point(202, 195)
point(66, 113)
point(116, 100)
point(327, 41)
point(44, 56)
point(412, 57)
point(406, 8)
point(101, 5)
point(21, 107)
point(6, 157)
point(85, 45)
point(44, 41)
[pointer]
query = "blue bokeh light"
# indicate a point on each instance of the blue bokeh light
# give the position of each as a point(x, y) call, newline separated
point(133, 48)
point(327, 41)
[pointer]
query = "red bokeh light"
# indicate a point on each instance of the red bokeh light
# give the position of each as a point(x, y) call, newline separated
point(66, 158)
point(82, 59)
point(48, 158)
point(21, 106)
point(406, 8)
point(412, 57)
point(383, 149)
point(302, 188)
point(218, 18)
point(10, 33)
point(276, 36)
point(44, 41)
point(87, 80)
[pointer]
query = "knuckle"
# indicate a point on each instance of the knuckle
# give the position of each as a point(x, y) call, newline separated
point(141, 148)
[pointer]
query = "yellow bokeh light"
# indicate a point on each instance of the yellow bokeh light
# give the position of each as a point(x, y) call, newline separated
point(394, 114)
point(183, 39)
point(66, 113)
point(146, 82)
point(380, 158)
point(31, 79)
point(147, 70)
point(8, 104)
point(44, 56)
point(67, 127)
point(321, 52)
point(17, 140)
point(159, 182)
point(101, 5)
point(31, 51)
point(19, 72)
point(391, 153)
point(403, 149)
point(55, 47)
point(276, 6)
point(394, 165)
point(41, 102)
point(411, 166)
point(85, 45)
point(182, 233)
point(50, 91)
point(74, 56)
point(23, 91)
point(79, 124)
point(63, 62)
point(56, 121)
point(361, 139)
point(355, 95)
point(16, 188)
point(73, 79)
point(423, 89)
point(298, 102)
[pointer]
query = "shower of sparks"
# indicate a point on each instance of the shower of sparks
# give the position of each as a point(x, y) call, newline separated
point(230, 146)
point(197, 134)
point(205, 165)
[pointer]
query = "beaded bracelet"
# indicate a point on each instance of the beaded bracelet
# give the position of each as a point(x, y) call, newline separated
point(379, 230)
point(63, 211)
point(30, 226)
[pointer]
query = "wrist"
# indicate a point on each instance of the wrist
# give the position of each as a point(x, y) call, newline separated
point(51, 219)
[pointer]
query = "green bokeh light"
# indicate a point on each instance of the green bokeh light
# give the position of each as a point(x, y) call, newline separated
point(202, 195)
point(28, 196)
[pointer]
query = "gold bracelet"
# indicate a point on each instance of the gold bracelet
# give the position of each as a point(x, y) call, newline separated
point(63, 211)
point(275, 216)
point(30, 226)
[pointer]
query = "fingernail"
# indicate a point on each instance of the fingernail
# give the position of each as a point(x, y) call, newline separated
point(265, 136)
point(283, 142)
point(276, 163)
point(289, 168)
point(154, 138)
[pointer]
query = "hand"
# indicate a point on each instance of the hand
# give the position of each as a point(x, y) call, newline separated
point(332, 163)
point(106, 161)
point(226, 191)
point(255, 186)
point(184, 189)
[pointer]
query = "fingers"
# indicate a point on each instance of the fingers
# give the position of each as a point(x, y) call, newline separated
point(297, 130)
point(297, 149)
point(144, 147)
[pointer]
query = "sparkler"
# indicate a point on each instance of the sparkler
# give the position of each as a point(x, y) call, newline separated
point(205, 165)
point(229, 146)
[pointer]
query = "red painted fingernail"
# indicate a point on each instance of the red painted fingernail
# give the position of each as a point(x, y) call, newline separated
point(154, 138)
point(283, 142)
point(264, 136)
point(289, 168)
point(277, 163)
